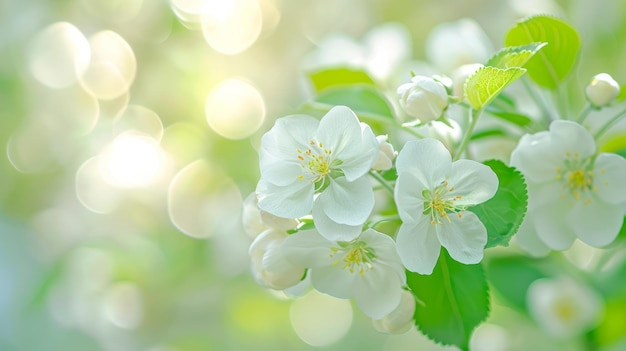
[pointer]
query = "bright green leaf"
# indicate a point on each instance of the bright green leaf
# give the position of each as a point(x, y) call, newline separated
point(510, 278)
point(554, 62)
point(622, 94)
point(327, 78)
point(451, 301)
point(362, 99)
point(504, 212)
point(488, 133)
point(514, 56)
point(485, 84)
point(512, 117)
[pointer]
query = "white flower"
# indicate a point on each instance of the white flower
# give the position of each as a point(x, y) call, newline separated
point(319, 166)
point(572, 192)
point(386, 154)
point(424, 98)
point(255, 221)
point(563, 307)
point(601, 90)
point(400, 320)
point(268, 265)
point(432, 194)
point(366, 269)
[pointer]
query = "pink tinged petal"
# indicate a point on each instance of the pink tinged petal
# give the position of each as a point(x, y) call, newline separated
point(527, 239)
point(464, 237)
point(610, 178)
point(474, 182)
point(361, 156)
point(534, 156)
point(409, 198)
point(426, 159)
point(596, 223)
point(334, 281)
point(418, 246)
point(347, 202)
point(332, 230)
point(570, 137)
point(307, 249)
point(377, 292)
point(291, 201)
point(551, 225)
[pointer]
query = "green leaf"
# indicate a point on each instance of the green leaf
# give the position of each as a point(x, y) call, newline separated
point(451, 301)
point(622, 94)
point(512, 117)
point(327, 78)
point(514, 56)
point(485, 84)
point(504, 212)
point(510, 278)
point(554, 62)
point(362, 99)
point(488, 133)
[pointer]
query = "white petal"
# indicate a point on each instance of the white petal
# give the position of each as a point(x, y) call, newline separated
point(473, 181)
point(427, 159)
point(385, 251)
point(596, 223)
point(418, 246)
point(535, 157)
point(463, 237)
point(545, 193)
point(610, 177)
point(287, 136)
point(527, 239)
point(279, 273)
point(347, 202)
point(307, 249)
point(284, 173)
point(408, 196)
point(340, 131)
point(551, 225)
point(377, 292)
point(334, 281)
point(362, 156)
point(570, 137)
point(291, 201)
point(332, 230)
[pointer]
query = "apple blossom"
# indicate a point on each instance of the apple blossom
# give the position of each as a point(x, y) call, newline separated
point(268, 265)
point(601, 90)
point(386, 154)
point(423, 98)
point(400, 320)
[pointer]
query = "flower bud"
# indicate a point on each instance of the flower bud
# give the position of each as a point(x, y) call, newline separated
point(424, 98)
point(601, 90)
point(459, 76)
point(256, 220)
point(399, 320)
point(269, 267)
point(386, 154)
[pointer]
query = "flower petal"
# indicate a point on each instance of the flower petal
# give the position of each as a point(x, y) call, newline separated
point(347, 202)
point(291, 201)
point(287, 136)
point(332, 230)
point(377, 292)
point(408, 196)
point(307, 249)
point(527, 239)
point(385, 251)
point(568, 137)
point(464, 237)
point(418, 246)
point(610, 178)
point(551, 225)
point(426, 159)
point(473, 181)
point(361, 156)
point(535, 157)
point(334, 281)
point(596, 223)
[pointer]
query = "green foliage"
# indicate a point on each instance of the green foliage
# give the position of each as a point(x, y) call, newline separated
point(362, 99)
point(514, 56)
point(504, 212)
point(622, 94)
point(485, 84)
point(451, 301)
point(512, 117)
point(554, 62)
point(327, 78)
point(510, 278)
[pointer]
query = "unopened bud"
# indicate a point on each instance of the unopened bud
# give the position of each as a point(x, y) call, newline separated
point(424, 98)
point(386, 154)
point(399, 320)
point(601, 90)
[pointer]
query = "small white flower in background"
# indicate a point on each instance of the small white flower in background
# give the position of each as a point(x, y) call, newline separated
point(268, 265)
point(424, 98)
point(400, 320)
point(319, 166)
point(572, 192)
point(366, 269)
point(450, 137)
point(460, 75)
point(432, 194)
point(602, 90)
point(563, 307)
point(255, 221)
point(386, 154)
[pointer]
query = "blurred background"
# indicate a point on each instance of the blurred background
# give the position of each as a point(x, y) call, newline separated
point(129, 131)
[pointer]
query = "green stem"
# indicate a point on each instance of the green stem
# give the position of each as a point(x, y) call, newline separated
point(382, 182)
point(609, 124)
point(584, 113)
point(473, 118)
point(410, 129)
point(383, 220)
point(537, 99)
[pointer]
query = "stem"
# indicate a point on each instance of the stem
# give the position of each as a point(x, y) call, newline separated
point(609, 124)
point(386, 219)
point(410, 130)
point(382, 182)
point(584, 113)
point(537, 99)
point(468, 133)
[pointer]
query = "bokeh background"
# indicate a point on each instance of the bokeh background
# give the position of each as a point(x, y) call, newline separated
point(129, 129)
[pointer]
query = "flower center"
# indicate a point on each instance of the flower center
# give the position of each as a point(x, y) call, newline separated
point(358, 256)
point(576, 176)
point(440, 202)
point(317, 164)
